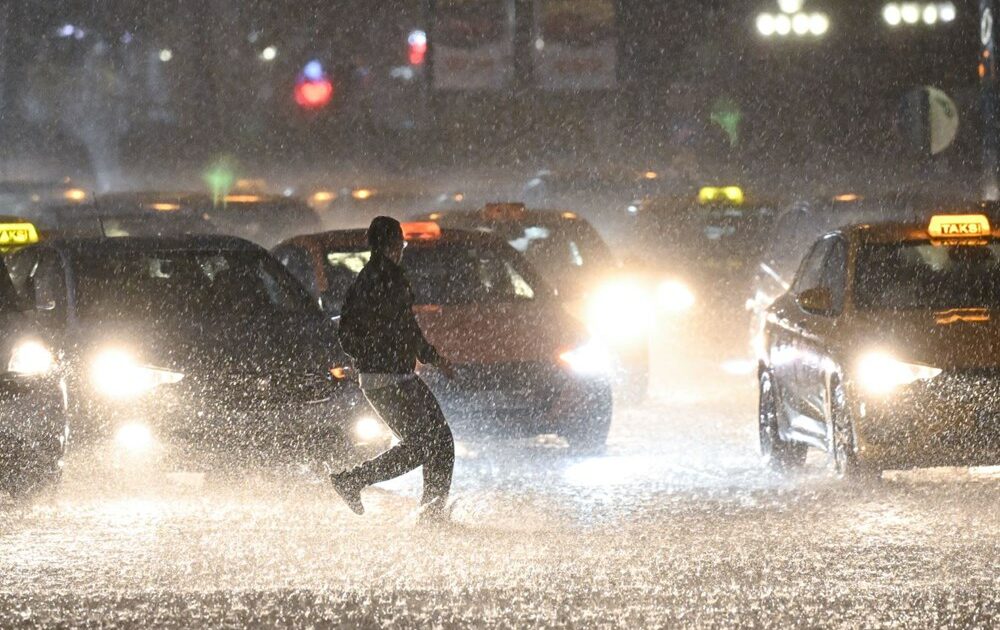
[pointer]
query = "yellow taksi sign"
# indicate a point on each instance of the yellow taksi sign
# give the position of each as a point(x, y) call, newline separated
point(958, 226)
point(17, 234)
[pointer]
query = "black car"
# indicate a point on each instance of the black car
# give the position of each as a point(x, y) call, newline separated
point(33, 424)
point(192, 346)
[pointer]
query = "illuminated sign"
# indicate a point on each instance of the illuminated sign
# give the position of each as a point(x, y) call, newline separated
point(726, 194)
point(959, 226)
point(421, 230)
point(17, 234)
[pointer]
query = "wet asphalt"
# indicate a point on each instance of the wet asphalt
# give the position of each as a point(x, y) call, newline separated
point(678, 524)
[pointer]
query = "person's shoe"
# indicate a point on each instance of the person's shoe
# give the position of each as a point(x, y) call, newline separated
point(350, 493)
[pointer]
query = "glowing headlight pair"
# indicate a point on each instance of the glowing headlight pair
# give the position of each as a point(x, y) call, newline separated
point(590, 359)
point(116, 374)
point(881, 373)
point(30, 358)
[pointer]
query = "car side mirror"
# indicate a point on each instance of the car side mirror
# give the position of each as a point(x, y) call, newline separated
point(818, 301)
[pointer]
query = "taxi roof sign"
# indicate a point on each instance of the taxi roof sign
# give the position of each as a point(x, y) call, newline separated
point(959, 226)
point(17, 234)
point(721, 194)
point(421, 231)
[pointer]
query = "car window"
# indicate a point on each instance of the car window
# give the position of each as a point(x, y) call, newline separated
point(197, 285)
point(921, 275)
point(8, 296)
point(811, 271)
point(298, 263)
point(444, 274)
point(834, 274)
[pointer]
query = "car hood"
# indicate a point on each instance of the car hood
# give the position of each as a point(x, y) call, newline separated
point(499, 333)
point(255, 345)
point(956, 339)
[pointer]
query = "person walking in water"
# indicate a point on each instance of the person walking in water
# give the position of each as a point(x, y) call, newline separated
point(380, 332)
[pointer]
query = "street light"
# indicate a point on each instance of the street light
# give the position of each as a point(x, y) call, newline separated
point(166, 55)
point(928, 14)
point(792, 20)
point(269, 53)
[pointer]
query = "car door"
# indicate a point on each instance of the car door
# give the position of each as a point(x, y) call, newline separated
point(814, 330)
point(786, 329)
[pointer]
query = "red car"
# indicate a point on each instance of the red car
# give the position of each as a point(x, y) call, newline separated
point(524, 366)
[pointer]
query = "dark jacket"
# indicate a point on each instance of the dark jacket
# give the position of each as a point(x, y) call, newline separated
point(377, 325)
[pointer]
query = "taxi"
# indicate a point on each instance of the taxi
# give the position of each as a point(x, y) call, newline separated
point(188, 351)
point(33, 425)
point(885, 351)
point(619, 307)
point(524, 366)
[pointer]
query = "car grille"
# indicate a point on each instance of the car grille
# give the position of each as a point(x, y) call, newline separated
point(250, 390)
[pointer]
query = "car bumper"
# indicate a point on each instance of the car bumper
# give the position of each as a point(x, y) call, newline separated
point(173, 423)
point(952, 420)
point(517, 401)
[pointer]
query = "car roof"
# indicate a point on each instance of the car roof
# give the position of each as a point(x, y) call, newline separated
point(77, 246)
point(538, 216)
point(358, 238)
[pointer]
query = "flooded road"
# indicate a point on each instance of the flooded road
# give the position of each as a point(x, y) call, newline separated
point(677, 524)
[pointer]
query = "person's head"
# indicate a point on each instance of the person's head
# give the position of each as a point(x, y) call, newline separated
point(385, 238)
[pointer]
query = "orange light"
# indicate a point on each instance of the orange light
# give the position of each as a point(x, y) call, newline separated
point(569, 215)
point(165, 207)
point(362, 193)
point(959, 226)
point(650, 175)
point(323, 196)
point(847, 197)
point(242, 198)
point(338, 373)
point(434, 216)
point(75, 194)
point(421, 231)
point(982, 70)
point(459, 197)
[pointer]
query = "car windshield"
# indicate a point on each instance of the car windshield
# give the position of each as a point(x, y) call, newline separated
point(444, 274)
point(921, 275)
point(194, 285)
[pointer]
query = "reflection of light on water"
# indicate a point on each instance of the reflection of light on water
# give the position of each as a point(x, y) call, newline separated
point(608, 471)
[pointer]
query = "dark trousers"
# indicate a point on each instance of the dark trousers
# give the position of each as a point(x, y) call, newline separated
point(413, 414)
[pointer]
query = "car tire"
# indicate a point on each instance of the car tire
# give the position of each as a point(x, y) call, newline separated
point(781, 455)
point(847, 462)
point(588, 435)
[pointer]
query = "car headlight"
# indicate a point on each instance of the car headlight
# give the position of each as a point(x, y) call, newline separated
point(116, 374)
point(30, 358)
point(619, 312)
point(673, 296)
point(590, 359)
point(881, 373)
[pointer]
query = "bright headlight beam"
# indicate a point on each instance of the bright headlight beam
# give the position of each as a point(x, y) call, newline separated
point(116, 374)
point(881, 373)
point(619, 311)
point(590, 359)
point(134, 437)
point(368, 428)
point(673, 296)
point(30, 358)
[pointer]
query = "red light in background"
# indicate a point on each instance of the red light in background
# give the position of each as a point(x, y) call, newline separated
point(313, 94)
point(417, 53)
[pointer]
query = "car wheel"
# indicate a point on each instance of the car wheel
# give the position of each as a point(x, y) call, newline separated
point(781, 455)
point(847, 463)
